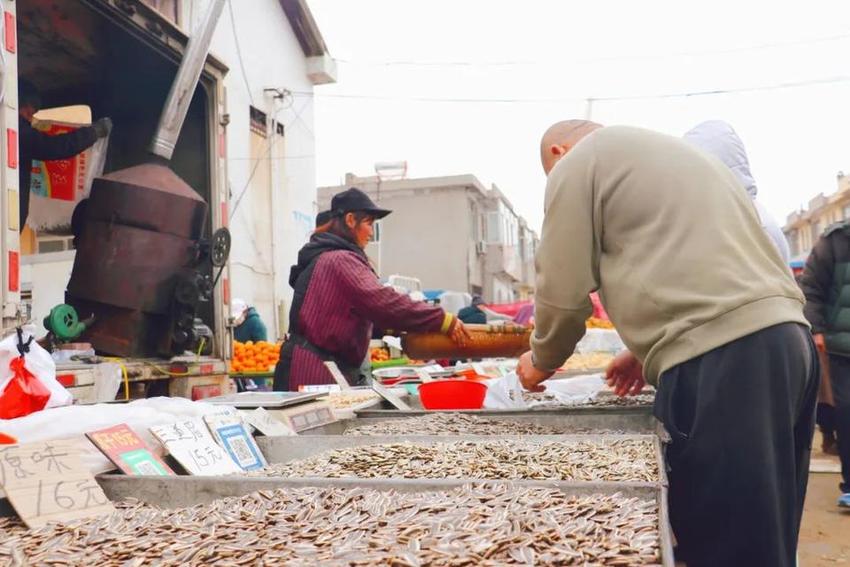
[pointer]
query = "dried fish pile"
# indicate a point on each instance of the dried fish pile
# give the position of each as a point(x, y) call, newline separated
point(613, 400)
point(541, 400)
point(455, 424)
point(585, 460)
point(472, 525)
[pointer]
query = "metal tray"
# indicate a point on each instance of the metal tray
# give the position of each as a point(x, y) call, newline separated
point(264, 399)
point(625, 422)
point(293, 448)
point(570, 410)
point(183, 491)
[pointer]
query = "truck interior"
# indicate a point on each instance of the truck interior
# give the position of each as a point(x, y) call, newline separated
point(87, 52)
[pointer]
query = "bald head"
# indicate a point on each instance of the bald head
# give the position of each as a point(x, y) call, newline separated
point(560, 138)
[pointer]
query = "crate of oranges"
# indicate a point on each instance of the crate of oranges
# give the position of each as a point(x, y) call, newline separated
point(254, 357)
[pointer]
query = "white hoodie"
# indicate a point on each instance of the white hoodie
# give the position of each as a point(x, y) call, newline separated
point(720, 140)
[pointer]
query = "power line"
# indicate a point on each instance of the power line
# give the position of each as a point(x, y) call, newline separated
point(532, 62)
point(265, 155)
point(282, 158)
point(778, 86)
point(239, 51)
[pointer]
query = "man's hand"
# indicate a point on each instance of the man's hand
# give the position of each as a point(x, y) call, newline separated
point(458, 333)
point(625, 375)
point(102, 127)
point(529, 376)
point(820, 343)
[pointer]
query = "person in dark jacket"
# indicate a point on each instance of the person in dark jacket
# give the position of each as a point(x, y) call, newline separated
point(338, 298)
point(249, 326)
point(33, 144)
point(826, 284)
point(472, 314)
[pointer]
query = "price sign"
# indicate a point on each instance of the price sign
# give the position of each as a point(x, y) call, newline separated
point(192, 445)
point(128, 451)
point(263, 421)
point(385, 393)
point(47, 482)
point(231, 434)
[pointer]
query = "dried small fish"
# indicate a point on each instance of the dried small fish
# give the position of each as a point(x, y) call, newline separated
point(491, 525)
point(626, 459)
point(457, 424)
point(546, 400)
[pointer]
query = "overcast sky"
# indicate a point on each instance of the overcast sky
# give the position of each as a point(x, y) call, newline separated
point(468, 86)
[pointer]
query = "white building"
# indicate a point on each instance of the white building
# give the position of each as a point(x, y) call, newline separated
point(452, 233)
point(270, 142)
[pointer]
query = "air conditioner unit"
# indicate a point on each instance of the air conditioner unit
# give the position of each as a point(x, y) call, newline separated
point(51, 243)
point(481, 247)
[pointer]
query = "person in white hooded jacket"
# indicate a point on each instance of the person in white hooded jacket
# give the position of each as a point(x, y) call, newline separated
point(720, 140)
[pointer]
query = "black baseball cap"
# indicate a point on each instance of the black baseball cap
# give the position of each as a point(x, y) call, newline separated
point(354, 200)
point(323, 218)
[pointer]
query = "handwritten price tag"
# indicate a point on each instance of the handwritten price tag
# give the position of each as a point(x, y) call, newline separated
point(128, 451)
point(46, 482)
point(192, 445)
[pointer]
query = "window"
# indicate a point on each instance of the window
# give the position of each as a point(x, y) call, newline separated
point(494, 228)
point(259, 122)
point(816, 230)
point(168, 8)
point(845, 213)
point(376, 232)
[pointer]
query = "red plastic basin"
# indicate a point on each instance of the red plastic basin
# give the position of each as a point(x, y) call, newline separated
point(452, 395)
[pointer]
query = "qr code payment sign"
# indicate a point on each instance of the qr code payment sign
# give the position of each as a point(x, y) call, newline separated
point(241, 448)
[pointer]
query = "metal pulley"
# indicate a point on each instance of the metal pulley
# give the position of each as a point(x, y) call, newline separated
point(220, 247)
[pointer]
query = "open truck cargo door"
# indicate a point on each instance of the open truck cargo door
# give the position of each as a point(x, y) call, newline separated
point(119, 58)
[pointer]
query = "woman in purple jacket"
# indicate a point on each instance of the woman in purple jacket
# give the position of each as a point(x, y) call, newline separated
point(338, 299)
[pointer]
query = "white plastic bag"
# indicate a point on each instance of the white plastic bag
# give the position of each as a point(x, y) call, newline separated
point(506, 392)
point(72, 422)
point(38, 361)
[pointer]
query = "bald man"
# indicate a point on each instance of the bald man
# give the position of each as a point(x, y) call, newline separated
point(711, 315)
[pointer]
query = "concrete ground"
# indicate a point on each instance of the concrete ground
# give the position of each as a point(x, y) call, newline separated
point(825, 533)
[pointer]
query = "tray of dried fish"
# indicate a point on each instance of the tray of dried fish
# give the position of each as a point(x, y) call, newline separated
point(612, 408)
point(484, 524)
point(581, 458)
point(458, 423)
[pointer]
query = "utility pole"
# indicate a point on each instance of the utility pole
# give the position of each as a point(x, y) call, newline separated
point(588, 109)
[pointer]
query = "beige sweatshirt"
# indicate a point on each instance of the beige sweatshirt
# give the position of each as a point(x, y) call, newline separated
point(670, 239)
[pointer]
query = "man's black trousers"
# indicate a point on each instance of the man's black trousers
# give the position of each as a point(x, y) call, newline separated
point(741, 418)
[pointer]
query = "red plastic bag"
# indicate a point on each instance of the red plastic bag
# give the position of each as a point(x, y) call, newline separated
point(24, 394)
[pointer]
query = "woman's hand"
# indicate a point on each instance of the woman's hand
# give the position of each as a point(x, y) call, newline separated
point(458, 333)
point(625, 375)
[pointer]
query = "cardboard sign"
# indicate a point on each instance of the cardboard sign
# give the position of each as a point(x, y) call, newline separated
point(128, 451)
point(46, 482)
point(385, 393)
point(231, 434)
point(337, 375)
point(192, 445)
point(263, 421)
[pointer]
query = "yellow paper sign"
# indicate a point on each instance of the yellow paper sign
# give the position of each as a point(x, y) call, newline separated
point(46, 482)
